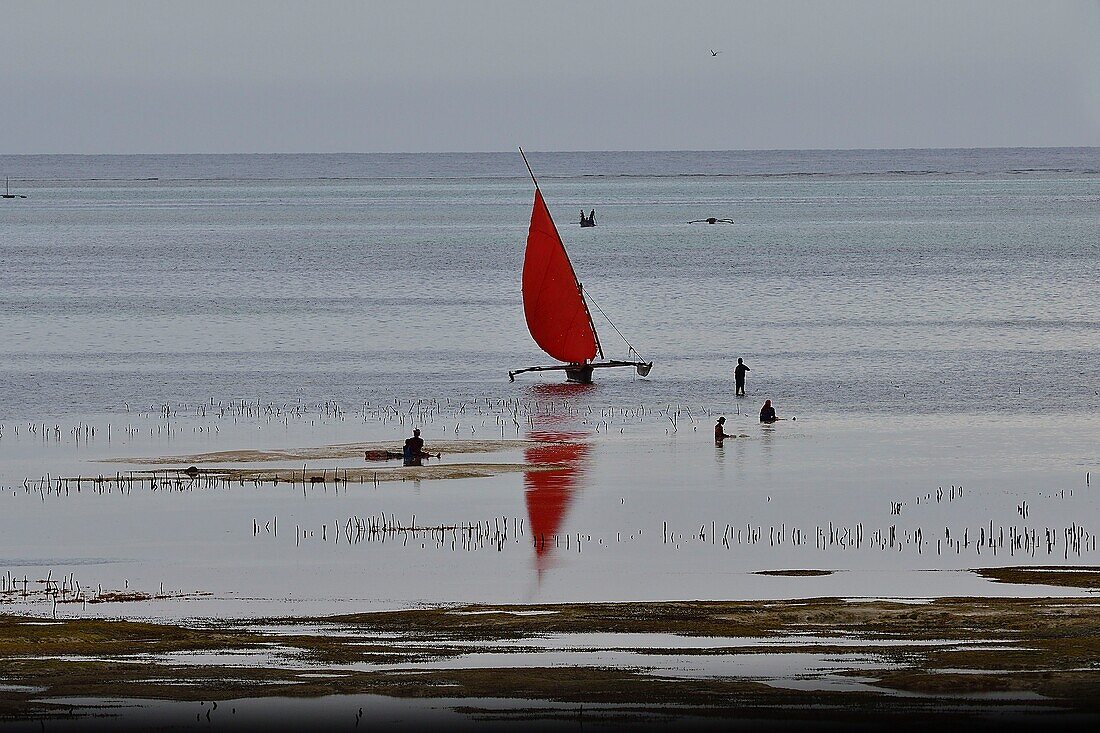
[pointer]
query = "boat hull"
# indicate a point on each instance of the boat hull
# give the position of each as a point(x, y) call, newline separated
point(579, 374)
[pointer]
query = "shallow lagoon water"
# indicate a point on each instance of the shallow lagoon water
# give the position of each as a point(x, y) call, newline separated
point(929, 317)
point(643, 515)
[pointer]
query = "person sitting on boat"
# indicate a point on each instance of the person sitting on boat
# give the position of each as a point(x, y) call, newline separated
point(767, 412)
point(413, 451)
point(584, 219)
point(720, 431)
point(591, 218)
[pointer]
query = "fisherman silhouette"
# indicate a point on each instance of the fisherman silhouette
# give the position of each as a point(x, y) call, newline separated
point(739, 376)
point(767, 412)
point(413, 450)
point(720, 431)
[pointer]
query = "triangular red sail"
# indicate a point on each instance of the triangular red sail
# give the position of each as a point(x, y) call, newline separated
point(556, 314)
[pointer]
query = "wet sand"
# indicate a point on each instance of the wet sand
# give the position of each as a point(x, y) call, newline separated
point(180, 478)
point(239, 465)
point(820, 660)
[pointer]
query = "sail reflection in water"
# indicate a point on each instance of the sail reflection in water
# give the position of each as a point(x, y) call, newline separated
point(549, 493)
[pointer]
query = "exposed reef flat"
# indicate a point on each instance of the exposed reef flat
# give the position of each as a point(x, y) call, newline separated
point(947, 660)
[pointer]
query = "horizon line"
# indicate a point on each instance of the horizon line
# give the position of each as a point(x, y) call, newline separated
point(575, 151)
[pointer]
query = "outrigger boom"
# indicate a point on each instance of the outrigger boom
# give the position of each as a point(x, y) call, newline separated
point(582, 373)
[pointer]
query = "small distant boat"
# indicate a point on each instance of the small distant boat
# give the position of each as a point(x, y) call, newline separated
point(8, 194)
point(554, 304)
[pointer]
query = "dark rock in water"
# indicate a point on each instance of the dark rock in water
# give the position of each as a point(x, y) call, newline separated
point(191, 471)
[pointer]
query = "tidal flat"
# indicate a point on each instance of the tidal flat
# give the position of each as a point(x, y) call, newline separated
point(820, 661)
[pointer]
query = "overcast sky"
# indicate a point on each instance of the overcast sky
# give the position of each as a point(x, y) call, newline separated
point(115, 76)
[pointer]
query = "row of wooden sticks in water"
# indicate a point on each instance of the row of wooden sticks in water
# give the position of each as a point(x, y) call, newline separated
point(1073, 539)
point(455, 415)
point(190, 479)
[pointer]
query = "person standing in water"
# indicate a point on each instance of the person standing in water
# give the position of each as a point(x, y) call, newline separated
point(739, 376)
point(720, 431)
point(767, 412)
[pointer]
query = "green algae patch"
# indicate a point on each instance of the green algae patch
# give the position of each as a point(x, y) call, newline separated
point(21, 636)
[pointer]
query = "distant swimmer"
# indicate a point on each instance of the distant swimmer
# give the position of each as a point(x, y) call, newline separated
point(720, 431)
point(711, 220)
point(739, 376)
point(767, 412)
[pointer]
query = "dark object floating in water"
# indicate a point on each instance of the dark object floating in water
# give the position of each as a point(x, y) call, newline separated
point(389, 455)
point(8, 194)
point(588, 221)
point(795, 573)
point(711, 220)
point(382, 455)
point(191, 471)
point(554, 304)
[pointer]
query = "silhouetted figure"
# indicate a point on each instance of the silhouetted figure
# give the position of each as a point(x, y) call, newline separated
point(584, 219)
point(767, 412)
point(413, 451)
point(739, 376)
point(720, 431)
point(592, 218)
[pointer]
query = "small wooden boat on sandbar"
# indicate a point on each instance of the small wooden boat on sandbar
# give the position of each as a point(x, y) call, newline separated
point(555, 306)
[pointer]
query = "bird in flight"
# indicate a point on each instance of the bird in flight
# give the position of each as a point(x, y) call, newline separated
point(714, 53)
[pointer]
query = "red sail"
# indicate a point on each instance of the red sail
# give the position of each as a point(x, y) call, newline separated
point(556, 314)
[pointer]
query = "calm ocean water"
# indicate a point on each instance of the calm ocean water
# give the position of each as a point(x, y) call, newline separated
point(931, 317)
point(896, 281)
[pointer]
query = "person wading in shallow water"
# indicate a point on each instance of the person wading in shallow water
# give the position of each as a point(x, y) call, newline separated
point(739, 376)
point(414, 449)
point(720, 431)
point(767, 412)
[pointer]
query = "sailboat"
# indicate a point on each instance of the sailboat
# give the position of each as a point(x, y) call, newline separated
point(8, 194)
point(555, 307)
